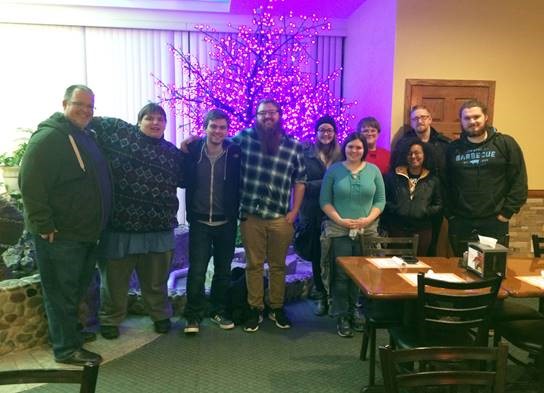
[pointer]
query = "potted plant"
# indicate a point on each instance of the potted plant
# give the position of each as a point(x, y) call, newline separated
point(9, 162)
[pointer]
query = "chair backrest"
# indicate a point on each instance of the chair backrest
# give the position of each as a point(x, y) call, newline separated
point(86, 377)
point(389, 246)
point(538, 245)
point(455, 307)
point(433, 367)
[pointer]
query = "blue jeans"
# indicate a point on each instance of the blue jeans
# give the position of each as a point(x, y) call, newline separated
point(344, 292)
point(66, 269)
point(462, 230)
point(206, 241)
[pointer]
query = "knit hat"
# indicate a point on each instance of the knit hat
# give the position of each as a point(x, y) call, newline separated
point(325, 120)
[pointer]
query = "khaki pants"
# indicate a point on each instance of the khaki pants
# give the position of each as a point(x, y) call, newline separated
point(152, 270)
point(266, 240)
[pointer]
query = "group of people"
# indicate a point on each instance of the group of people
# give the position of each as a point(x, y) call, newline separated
point(101, 189)
point(359, 190)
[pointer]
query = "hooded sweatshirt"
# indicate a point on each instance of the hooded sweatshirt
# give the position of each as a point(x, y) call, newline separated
point(485, 179)
point(65, 183)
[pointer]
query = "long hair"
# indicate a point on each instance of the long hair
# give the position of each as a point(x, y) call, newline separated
point(330, 151)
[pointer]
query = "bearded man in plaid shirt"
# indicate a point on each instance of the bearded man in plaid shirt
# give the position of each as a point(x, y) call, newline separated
point(273, 173)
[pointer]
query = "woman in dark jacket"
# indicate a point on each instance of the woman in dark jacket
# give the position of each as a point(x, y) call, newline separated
point(413, 195)
point(317, 158)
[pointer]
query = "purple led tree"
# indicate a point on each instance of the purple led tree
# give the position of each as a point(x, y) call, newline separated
point(265, 60)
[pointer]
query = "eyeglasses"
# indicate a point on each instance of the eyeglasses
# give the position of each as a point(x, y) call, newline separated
point(422, 118)
point(80, 105)
point(369, 131)
point(264, 113)
point(326, 130)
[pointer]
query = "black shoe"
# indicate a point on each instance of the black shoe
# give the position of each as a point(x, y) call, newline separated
point(81, 357)
point(252, 323)
point(109, 332)
point(322, 307)
point(343, 327)
point(163, 326)
point(278, 316)
point(192, 327)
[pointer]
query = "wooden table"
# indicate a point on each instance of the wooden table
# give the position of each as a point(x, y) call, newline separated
point(384, 284)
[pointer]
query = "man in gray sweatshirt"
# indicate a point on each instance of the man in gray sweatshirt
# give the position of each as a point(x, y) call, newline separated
point(212, 176)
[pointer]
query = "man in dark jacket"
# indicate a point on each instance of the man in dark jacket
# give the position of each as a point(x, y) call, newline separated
point(212, 180)
point(487, 179)
point(66, 190)
point(420, 127)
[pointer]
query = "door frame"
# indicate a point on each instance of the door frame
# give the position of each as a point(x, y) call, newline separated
point(410, 83)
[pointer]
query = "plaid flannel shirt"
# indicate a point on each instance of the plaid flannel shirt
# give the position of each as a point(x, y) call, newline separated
point(267, 180)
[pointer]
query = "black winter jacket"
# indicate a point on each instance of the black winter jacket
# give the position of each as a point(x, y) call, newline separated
point(438, 144)
point(310, 212)
point(231, 178)
point(416, 212)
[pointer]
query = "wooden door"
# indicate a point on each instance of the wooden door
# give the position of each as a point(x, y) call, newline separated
point(444, 98)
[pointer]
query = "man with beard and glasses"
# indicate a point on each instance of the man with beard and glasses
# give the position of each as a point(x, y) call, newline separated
point(273, 173)
point(487, 179)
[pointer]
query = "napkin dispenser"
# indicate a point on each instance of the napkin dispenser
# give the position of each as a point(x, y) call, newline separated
point(485, 260)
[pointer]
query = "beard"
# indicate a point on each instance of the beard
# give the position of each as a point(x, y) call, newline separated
point(270, 137)
point(474, 133)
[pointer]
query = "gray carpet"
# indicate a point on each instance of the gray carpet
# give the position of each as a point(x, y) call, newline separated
point(310, 357)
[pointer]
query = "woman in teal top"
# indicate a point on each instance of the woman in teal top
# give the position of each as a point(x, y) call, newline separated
point(352, 196)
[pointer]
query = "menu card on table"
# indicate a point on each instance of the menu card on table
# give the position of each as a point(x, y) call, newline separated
point(396, 263)
point(412, 277)
point(537, 281)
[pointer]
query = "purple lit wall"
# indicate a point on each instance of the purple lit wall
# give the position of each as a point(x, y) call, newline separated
point(369, 63)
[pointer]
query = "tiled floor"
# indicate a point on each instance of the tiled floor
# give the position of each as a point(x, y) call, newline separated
point(136, 331)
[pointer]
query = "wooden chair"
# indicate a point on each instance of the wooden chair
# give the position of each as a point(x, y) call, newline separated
point(432, 366)
point(538, 245)
point(450, 313)
point(86, 377)
point(527, 336)
point(386, 314)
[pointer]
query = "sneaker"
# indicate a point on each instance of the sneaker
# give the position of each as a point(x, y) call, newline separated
point(278, 316)
point(222, 321)
point(255, 318)
point(109, 332)
point(192, 327)
point(163, 326)
point(343, 327)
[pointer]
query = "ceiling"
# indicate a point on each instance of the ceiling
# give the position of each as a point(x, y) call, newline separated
point(340, 9)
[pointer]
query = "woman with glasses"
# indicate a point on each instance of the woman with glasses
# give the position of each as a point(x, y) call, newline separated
point(352, 196)
point(413, 195)
point(317, 158)
point(378, 156)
